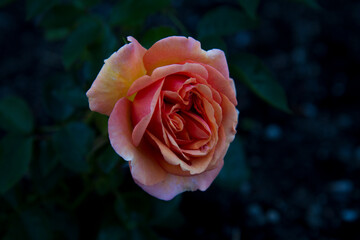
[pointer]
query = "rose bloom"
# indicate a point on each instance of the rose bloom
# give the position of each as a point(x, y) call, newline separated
point(172, 112)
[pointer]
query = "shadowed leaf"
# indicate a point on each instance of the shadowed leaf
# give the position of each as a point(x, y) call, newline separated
point(253, 73)
point(250, 7)
point(235, 170)
point(15, 155)
point(36, 7)
point(223, 21)
point(72, 143)
point(15, 115)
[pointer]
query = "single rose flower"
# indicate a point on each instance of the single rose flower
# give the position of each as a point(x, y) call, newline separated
point(172, 112)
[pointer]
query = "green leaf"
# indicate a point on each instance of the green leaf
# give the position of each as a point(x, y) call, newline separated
point(144, 232)
point(15, 155)
point(250, 7)
point(57, 107)
point(101, 123)
point(108, 159)
point(108, 183)
point(65, 223)
point(72, 143)
point(235, 170)
point(223, 21)
point(167, 214)
point(56, 34)
point(86, 33)
point(133, 209)
point(310, 3)
point(36, 7)
point(15, 230)
point(36, 224)
point(132, 13)
point(84, 4)
point(156, 33)
point(108, 42)
point(253, 73)
point(61, 16)
point(47, 158)
point(15, 115)
point(73, 95)
point(5, 2)
point(113, 232)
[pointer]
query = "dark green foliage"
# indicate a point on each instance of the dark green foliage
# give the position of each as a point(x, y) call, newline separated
point(5, 2)
point(15, 115)
point(250, 7)
point(112, 232)
point(15, 156)
point(253, 73)
point(61, 16)
point(47, 157)
point(108, 159)
point(223, 21)
point(133, 13)
point(59, 107)
point(79, 40)
point(38, 7)
point(235, 171)
point(72, 143)
point(36, 224)
point(310, 3)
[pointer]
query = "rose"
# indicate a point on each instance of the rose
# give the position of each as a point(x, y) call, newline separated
point(172, 112)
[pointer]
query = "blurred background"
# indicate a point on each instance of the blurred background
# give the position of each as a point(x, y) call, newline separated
point(293, 171)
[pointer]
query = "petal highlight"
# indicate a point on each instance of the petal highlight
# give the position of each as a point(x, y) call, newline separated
point(116, 76)
point(176, 49)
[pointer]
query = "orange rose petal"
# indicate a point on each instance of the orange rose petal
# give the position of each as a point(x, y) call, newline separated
point(143, 108)
point(173, 185)
point(230, 118)
point(197, 166)
point(172, 50)
point(196, 126)
point(223, 85)
point(221, 148)
point(206, 93)
point(192, 69)
point(143, 160)
point(115, 77)
point(156, 125)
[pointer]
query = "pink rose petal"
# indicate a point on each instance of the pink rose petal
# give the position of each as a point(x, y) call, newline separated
point(172, 50)
point(143, 160)
point(173, 185)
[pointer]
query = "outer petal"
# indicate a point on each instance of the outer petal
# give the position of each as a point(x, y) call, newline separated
point(225, 86)
point(144, 166)
point(172, 185)
point(227, 130)
point(172, 50)
point(116, 76)
point(230, 118)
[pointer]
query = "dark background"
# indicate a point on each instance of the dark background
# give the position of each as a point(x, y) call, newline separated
point(301, 177)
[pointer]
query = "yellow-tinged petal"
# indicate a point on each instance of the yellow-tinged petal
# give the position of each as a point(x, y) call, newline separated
point(116, 76)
